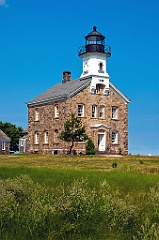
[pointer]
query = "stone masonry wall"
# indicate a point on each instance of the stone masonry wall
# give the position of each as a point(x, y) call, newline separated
point(48, 122)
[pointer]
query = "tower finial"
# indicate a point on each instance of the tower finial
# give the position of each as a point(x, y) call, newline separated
point(94, 28)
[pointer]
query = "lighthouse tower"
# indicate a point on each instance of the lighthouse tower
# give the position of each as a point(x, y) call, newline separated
point(94, 55)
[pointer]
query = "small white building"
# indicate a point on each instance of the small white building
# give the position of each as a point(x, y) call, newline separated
point(4, 143)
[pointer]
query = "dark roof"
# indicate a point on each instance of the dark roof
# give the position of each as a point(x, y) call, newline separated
point(4, 137)
point(95, 33)
point(61, 92)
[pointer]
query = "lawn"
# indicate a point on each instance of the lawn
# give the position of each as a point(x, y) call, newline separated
point(149, 164)
point(79, 197)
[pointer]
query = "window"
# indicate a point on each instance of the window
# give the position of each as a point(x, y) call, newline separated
point(56, 111)
point(80, 110)
point(37, 138)
point(36, 114)
point(94, 111)
point(114, 112)
point(46, 137)
point(114, 137)
point(3, 145)
point(101, 111)
point(99, 88)
point(21, 143)
point(100, 67)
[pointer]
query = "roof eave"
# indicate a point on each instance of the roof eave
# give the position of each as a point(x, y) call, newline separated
point(58, 98)
point(86, 84)
point(119, 93)
point(46, 101)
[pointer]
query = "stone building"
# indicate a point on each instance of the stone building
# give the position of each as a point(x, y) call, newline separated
point(101, 106)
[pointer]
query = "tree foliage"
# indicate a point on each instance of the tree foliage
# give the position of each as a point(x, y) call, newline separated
point(73, 132)
point(13, 132)
point(90, 148)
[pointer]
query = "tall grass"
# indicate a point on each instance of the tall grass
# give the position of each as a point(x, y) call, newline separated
point(29, 210)
point(43, 197)
point(125, 181)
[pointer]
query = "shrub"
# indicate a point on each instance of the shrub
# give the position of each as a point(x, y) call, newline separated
point(90, 148)
point(141, 161)
point(120, 151)
point(114, 164)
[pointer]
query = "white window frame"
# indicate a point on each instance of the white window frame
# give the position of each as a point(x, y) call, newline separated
point(101, 111)
point(37, 138)
point(21, 142)
point(37, 114)
point(56, 111)
point(114, 112)
point(94, 110)
point(115, 137)
point(46, 137)
point(80, 110)
point(3, 145)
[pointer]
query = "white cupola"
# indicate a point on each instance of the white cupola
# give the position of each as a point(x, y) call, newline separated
point(94, 55)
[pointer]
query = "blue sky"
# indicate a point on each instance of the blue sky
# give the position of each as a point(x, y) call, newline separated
point(39, 39)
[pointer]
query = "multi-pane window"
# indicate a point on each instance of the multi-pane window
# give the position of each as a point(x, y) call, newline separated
point(56, 111)
point(46, 137)
point(36, 114)
point(37, 138)
point(3, 145)
point(80, 110)
point(115, 137)
point(94, 111)
point(101, 111)
point(114, 112)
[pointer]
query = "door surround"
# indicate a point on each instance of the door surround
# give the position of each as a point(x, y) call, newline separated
point(101, 140)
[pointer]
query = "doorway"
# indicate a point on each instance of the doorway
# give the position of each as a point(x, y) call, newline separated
point(101, 140)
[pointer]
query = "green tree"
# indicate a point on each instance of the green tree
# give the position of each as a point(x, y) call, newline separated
point(13, 132)
point(73, 132)
point(90, 148)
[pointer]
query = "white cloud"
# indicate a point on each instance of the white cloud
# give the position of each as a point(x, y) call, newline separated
point(3, 3)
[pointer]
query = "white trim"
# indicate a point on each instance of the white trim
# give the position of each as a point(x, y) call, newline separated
point(56, 111)
point(115, 137)
point(101, 140)
point(101, 111)
point(94, 111)
point(37, 138)
point(3, 145)
point(37, 114)
point(80, 110)
point(46, 137)
point(114, 112)
point(21, 142)
point(118, 92)
point(100, 126)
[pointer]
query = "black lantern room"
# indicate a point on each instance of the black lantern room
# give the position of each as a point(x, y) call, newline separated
point(95, 42)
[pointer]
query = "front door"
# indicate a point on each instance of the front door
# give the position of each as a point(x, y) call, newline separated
point(101, 141)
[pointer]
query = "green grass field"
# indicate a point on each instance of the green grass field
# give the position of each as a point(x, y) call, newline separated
point(79, 197)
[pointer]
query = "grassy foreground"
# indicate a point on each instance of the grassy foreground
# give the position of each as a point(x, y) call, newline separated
point(104, 163)
point(79, 197)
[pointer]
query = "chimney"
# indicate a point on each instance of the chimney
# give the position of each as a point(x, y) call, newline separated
point(66, 76)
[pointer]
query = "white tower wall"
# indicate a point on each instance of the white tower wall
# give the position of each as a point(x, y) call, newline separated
point(94, 64)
